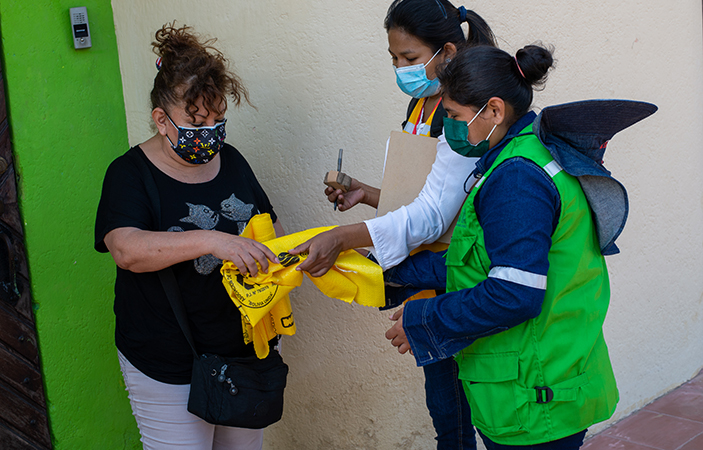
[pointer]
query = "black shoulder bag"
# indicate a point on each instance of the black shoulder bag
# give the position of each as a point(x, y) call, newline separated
point(244, 392)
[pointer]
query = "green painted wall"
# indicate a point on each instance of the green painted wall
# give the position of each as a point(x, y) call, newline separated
point(68, 122)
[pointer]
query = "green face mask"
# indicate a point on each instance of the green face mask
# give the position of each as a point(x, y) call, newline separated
point(456, 132)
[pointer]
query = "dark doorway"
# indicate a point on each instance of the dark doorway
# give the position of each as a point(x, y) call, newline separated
point(24, 422)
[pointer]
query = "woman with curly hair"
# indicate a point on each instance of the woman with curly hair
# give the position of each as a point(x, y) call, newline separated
point(207, 195)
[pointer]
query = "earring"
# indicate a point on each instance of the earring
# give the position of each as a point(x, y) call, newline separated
point(448, 60)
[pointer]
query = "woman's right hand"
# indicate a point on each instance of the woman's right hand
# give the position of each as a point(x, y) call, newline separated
point(243, 252)
point(322, 251)
point(358, 193)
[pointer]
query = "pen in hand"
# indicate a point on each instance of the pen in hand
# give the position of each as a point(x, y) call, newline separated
point(339, 169)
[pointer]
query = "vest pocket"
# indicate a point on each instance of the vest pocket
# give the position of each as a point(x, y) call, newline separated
point(489, 383)
point(467, 262)
point(459, 250)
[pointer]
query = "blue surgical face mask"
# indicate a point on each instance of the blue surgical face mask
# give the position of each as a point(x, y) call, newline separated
point(413, 80)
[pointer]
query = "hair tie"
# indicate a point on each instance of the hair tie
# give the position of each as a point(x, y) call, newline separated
point(518, 67)
point(158, 63)
point(462, 14)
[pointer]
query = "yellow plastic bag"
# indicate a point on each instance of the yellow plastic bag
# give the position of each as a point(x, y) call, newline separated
point(279, 317)
point(263, 300)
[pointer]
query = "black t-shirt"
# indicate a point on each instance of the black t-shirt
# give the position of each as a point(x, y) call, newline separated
point(147, 332)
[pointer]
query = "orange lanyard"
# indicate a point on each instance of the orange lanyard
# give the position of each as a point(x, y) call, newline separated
point(422, 113)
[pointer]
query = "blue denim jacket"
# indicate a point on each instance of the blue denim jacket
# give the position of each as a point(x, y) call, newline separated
point(576, 135)
point(518, 209)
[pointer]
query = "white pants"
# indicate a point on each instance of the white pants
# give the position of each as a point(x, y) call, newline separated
point(165, 423)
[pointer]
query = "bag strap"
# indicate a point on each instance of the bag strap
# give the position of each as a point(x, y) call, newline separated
point(166, 276)
point(168, 281)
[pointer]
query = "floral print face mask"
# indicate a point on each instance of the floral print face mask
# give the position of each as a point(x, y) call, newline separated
point(198, 145)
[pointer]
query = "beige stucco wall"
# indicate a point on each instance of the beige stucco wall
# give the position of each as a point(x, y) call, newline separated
point(320, 75)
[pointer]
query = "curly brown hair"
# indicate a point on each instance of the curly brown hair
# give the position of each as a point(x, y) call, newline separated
point(192, 68)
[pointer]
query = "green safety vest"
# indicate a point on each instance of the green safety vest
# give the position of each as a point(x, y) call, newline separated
point(549, 377)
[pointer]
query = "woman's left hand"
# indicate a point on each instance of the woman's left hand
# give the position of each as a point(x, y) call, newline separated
point(396, 334)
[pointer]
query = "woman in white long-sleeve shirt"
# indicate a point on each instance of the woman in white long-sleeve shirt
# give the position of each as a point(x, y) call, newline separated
point(422, 36)
point(395, 234)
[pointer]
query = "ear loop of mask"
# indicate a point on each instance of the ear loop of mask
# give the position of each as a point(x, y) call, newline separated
point(472, 121)
point(433, 56)
point(174, 126)
point(408, 68)
point(467, 138)
point(492, 130)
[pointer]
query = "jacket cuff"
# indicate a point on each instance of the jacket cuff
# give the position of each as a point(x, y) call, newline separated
point(427, 346)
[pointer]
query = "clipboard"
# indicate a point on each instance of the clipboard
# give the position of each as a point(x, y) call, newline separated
point(408, 162)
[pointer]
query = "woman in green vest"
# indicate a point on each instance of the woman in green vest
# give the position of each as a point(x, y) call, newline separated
point(527, 284)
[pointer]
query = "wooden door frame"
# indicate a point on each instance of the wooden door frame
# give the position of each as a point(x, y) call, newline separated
point(24, 422)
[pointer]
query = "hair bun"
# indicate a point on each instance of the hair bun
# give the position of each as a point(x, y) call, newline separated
point(190, 68)
point(533, 63)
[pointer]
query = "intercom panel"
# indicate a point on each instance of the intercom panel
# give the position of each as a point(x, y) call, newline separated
point(80, 28)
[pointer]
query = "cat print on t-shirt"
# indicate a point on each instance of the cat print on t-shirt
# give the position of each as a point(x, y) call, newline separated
point(206, 219)
point(236, 210)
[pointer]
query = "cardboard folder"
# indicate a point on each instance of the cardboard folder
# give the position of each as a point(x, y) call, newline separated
point(408, 162)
